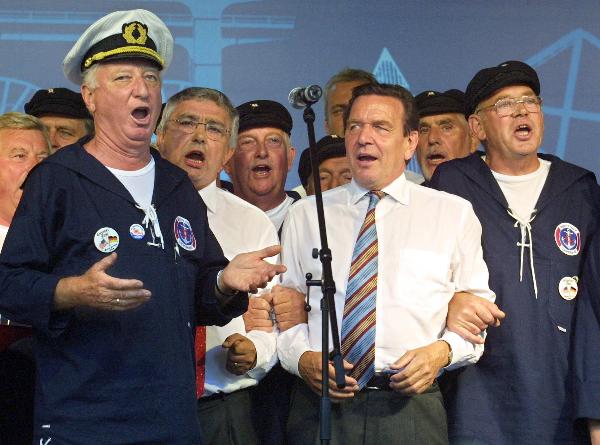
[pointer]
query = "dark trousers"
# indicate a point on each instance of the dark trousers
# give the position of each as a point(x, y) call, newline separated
point(271, 405)
point(372, 417)
point(16, 398)
point(225, 419)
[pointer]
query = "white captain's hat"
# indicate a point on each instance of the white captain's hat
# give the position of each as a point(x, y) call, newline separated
point(119, 35)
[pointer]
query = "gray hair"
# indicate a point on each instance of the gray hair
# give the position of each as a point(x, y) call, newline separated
point(203, 94)
point(14, 120)
point(346, 75)
point(89, 77)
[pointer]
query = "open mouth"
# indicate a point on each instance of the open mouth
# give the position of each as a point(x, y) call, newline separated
point(140, 113)
point(195, 158)
point(261, 169)
point(523, 131)
point(436, 158)
point(366, 158)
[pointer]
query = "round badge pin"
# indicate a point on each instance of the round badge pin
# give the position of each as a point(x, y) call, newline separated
point(106, 240)
point(184, 234)
point(137, 231)
point(567, 238)
point(567, 287)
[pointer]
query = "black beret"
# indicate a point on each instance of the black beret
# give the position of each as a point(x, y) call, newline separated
point(264, 113)
point(489, 80)
point(59, 101)
point(434, 102)
point(327, 148)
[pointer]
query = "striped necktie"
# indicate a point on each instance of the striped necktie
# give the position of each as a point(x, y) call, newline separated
point(358, 325)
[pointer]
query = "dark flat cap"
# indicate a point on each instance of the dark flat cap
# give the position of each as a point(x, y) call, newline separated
point(57, 101)
point(489, 80)
point(264, 113)
point(431, 102)
point(327, 148)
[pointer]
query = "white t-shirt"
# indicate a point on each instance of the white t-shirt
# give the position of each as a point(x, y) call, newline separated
point(140, 183)
point(522, 192)
point(277, 214)
point(3, 232)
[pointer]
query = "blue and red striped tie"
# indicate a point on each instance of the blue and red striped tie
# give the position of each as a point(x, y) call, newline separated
point(358, 325)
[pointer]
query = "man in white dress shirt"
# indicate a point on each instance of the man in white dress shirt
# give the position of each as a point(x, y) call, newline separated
point(198, 133)
point(421, 263)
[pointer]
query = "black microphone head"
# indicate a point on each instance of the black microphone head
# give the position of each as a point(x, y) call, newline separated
point(313, 93)
point(300, 97)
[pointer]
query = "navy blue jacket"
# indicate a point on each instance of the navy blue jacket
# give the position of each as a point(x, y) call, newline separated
point(107, 377)
point(587, 337)
point(519, 391)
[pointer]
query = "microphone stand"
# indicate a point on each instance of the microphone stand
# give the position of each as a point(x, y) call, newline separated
point(328, 290)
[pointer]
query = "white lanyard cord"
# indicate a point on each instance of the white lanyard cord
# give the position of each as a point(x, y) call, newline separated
point(152, 218)
point(525, 226)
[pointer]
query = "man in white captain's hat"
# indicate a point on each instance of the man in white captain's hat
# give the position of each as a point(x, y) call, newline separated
point(111, 260)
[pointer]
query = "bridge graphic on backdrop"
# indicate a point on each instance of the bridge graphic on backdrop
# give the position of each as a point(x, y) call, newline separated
point(206, 28)
point(572, 41)
point(387, 70)
point(203, 32)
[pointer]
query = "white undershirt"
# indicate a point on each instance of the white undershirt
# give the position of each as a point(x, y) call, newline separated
point(3, 232)
point(140, 183)
point(522, 192)
point(277, 214)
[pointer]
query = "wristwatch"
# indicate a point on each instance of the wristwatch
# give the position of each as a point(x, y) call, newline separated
point(450, 355)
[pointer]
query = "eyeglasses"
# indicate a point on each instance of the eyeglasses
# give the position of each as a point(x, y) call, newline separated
point(251, 144)
point(507, 106)
point(214, 130)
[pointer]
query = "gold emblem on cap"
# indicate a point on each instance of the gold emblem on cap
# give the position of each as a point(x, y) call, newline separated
point(254, 105)
point(50, 90)
point(431, 93)
point(130, 28)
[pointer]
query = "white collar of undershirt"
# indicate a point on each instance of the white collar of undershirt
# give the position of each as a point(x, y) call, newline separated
point(209, 196)
point(142, 171)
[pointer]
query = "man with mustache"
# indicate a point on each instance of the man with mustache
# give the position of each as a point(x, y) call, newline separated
point(538, 214)
point(444, 132)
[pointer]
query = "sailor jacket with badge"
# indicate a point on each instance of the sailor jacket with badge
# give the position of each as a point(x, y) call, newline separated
point(519, 391)
point(111, 376)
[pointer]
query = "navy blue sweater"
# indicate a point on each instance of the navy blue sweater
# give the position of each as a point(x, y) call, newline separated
point(107, 377)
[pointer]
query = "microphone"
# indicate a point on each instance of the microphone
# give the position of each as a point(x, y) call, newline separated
point(300, 97)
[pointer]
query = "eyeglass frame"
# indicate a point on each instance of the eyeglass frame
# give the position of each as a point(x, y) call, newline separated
point(239, 147)
point(196, 124)
point(513, 108)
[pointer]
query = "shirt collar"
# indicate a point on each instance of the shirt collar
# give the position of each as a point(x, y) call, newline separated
point(209, 196)
point(398, 189)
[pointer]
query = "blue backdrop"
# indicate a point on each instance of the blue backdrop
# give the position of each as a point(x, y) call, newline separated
point(262, 49)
